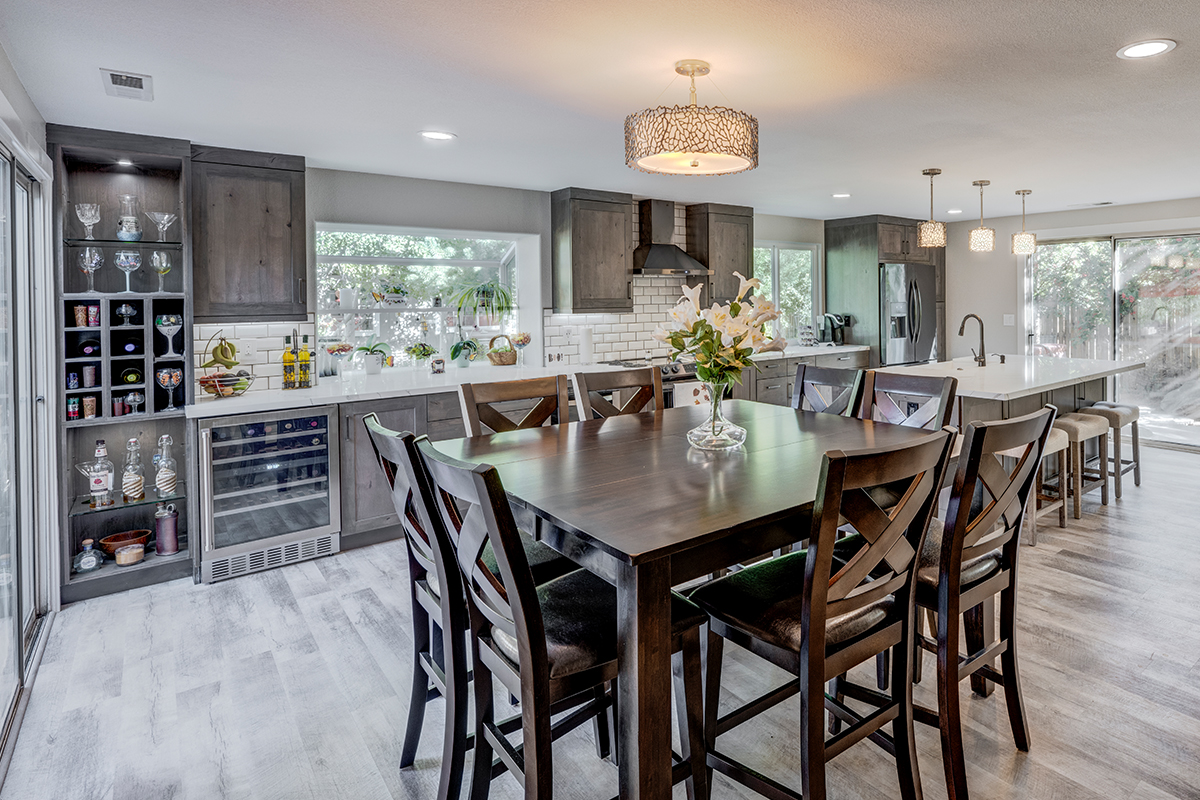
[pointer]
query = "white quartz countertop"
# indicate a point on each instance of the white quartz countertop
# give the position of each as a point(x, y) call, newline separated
point(408, 381)
point(1019, 376)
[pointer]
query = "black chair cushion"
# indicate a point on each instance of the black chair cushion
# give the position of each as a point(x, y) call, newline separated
point(764, 601)
point(545, 563)
point(579, 613)
point(928, 572)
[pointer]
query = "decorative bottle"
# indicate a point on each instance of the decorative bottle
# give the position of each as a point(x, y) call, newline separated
point(87, 559)
point(129, 228)
point(99, 473)
point(133, 479)
point(304, 366)
point(165, 479)
point(289, 364)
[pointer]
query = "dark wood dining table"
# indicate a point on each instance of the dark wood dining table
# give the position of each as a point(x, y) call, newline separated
point(628, 499)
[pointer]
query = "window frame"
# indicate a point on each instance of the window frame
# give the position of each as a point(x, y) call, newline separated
point(818, 275)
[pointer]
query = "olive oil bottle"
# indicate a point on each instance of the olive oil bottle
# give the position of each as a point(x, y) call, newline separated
point(289, 364)
point(304, 366)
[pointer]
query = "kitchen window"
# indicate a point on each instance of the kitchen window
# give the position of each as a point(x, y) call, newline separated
point(790, 276)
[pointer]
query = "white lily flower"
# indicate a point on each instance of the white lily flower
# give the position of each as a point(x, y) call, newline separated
point(662, 334)
point(778, 344)
point(692, 293)
point(745, 284)
point(684, 313)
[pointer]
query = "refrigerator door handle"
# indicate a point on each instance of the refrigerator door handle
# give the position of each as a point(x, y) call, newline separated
point(206, 491)
point(918, 307)
point(912, 317)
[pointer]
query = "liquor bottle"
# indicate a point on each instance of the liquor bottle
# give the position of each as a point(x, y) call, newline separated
point(87, 559)
point(289, 364)
point(165, 480)
point(133, 479)
point(304, 366)
point(99, 473)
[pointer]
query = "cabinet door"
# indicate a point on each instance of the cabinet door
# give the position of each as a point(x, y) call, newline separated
point(601, 255)
point(366, 498)
point(249, 256)
point(891, 242)
point(730, 249)
point(915, 254)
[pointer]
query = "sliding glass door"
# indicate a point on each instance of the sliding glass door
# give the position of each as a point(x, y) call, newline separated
point(11, 628)
point(1070, 300)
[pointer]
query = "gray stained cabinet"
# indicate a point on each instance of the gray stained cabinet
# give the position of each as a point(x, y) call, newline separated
point(591, 250)
point(366, 499)
point(721, 238)
point(250, 254)
point(898, 243)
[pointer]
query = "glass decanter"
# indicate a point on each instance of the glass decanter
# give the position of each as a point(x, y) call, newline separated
point(165, 480)
point(129, 228)
point(133, 479)
point(87, 559)
point(99, 473)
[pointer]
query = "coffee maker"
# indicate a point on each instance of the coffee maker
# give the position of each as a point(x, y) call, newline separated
point(833, 327)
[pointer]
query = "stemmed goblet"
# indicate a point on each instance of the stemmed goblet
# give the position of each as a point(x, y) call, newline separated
point(135, 399)
point(169, 378)
point(128, 261)
point(160, 262)
point(163, 220)
point(169, 325)
point(89, 215)
point(125, 311)
point(90, 260)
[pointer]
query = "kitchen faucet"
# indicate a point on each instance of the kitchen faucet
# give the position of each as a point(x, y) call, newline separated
point(981, 356)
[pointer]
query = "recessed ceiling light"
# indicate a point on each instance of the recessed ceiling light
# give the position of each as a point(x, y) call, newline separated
point(438, 136)
point(841, 195)
point(954, 211)
point(124, 162)
point(1146, 49)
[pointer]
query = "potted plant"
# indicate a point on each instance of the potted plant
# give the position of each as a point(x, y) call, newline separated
point(463, 352)
point(391, 294)
point(373, 355)
point(420, 351)
point(487, 303)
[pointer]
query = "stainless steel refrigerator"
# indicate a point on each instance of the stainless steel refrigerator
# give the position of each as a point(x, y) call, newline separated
point(907, 313)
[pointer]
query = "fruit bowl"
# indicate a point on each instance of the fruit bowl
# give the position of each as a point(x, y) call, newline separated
point(227, 384)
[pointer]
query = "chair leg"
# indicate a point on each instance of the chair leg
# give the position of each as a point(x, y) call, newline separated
point(903, 734)
point(1062, 484)
point(481, 773)
point(1103, 467)
point(835, 691)
point(454, 740)
point(1012, 677)
point(419, 695)
point(600, 727)
point(1031, 513)
point(1116, 461)
point(712, 694)
point(812, 738)
point(948, 707)
point(918, 651)
point(1137, 454)
point(689, 706)
point(1076, 468)
point(881, 670)
point(973, 627)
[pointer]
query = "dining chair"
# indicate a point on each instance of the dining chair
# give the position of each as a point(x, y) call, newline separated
point(967, 561)
point(553, 645)
point(478, 400)
point(439, 610)
point(827, 390)
point(817, 619)
point(636, 389)
point(914, 401)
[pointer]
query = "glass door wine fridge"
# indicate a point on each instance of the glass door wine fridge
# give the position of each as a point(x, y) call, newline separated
point(269, 491)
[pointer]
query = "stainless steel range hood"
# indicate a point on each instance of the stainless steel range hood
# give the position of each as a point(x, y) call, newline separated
point(656, 255)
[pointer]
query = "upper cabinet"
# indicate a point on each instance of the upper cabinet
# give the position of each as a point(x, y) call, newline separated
point(722, 239)
point(898, 243)
point(250, 257)
point(592, 250)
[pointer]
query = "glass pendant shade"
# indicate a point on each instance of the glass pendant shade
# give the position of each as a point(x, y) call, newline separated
point(1024, 244)
point(982, 240)
point(691, 139)
point(931, 234)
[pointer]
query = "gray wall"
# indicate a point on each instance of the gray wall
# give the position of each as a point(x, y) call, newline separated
point(993, 284)
point(19, 113)
point(772, 228)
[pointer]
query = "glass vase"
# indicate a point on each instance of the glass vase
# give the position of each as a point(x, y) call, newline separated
point(716, 432)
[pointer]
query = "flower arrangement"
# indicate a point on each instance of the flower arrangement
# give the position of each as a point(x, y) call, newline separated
point(420, 351)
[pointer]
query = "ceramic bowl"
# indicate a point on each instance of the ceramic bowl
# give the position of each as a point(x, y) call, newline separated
point(109, 544)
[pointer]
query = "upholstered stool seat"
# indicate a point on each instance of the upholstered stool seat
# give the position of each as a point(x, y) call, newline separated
point(1080, 428)
point(1041, 502)
point(1118, 415)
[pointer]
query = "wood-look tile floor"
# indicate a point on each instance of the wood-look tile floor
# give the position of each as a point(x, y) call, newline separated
point(293, 683)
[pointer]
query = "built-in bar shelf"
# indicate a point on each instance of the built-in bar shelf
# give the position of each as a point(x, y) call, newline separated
point(81, 505)
point(142, 245)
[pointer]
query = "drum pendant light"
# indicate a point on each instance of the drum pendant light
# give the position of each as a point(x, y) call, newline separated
point(1024, 244)
point(982, 240)
point(691, 139)
point(931, 233)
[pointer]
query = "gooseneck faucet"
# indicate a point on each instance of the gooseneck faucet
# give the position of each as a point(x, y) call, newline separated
point(981, 356)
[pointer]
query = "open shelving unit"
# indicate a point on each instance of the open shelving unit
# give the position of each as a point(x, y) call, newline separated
point(125, 357)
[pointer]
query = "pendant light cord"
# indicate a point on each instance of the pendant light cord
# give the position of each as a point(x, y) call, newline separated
point(930, 197)
point(1022, 213)
point(981, 206)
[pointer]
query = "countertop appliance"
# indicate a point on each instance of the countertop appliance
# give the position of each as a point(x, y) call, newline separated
point(907, 314)
point(833, 327)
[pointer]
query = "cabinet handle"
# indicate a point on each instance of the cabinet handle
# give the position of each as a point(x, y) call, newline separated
point(844, 358)
point(629, 290)
point(206, 489)
point(348, 427)
point(776, 386)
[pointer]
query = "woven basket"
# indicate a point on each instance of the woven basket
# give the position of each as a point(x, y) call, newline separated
point(505, 359)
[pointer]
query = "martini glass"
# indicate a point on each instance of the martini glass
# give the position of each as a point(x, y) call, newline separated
point(128, 261)
point(125, 311)
point(160, 262)
point(340, 351)
point(135, 399)
point(169, 325)
point(163, 220)
point(89, 215)
point(90, 260)
point(168, 379)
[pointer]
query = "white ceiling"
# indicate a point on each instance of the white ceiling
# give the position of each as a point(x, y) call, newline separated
point(851, 95)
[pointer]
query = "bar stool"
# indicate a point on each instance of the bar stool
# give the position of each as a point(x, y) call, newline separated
point(1079, 428)
point(1041, 503)
point(1118, 417)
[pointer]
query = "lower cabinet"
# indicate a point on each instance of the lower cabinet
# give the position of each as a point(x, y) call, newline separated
point(366, 498)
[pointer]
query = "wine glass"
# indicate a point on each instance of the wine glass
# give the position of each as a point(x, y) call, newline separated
point(169, 378)
point(90, 260)
point(135, 399)
point(169, 325)
point(89, 215)
point(163, 220)
point(160, 262)
point(128, 261)
point(125, 311)
point(520, 341)
point(339, 351)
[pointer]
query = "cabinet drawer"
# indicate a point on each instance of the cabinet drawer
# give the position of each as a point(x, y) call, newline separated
point(773, 391)
point(774, 368)
point(856, 360)
point(443, 406)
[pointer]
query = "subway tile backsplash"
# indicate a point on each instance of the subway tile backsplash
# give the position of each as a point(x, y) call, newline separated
point(616, 336)
point(266, 364)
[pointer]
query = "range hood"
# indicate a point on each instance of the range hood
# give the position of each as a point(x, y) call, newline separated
point(656, 255)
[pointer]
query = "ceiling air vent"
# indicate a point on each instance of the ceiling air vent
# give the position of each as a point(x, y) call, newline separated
point(1091, 205)
point(129, 85)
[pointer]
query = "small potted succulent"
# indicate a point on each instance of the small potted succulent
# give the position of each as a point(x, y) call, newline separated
point(373, 356)
point(463, 352)
point(391, 294)
point(420, 351)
